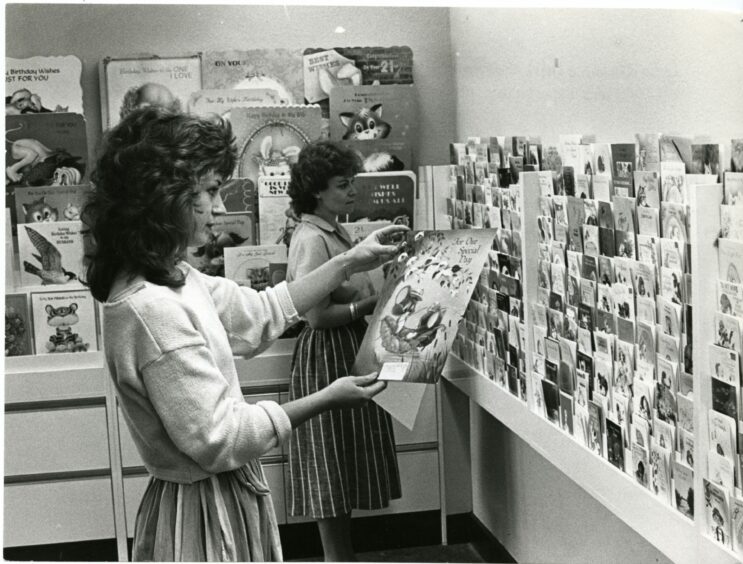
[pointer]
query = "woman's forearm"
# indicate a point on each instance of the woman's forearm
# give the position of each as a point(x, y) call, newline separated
point(302, 409)
point(307, 291)
point(334, 315)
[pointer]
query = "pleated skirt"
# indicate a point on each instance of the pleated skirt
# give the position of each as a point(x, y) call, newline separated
point(228, 517)
point(342, 459)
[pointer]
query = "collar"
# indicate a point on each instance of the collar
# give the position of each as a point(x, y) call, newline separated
point(319, 222)
point(325, 226)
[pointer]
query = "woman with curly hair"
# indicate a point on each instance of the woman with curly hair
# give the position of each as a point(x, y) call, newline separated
point(171, 333)
point(345, 458)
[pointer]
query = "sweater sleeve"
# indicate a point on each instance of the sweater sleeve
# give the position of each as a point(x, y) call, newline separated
point(252, 319)
point(217, 429)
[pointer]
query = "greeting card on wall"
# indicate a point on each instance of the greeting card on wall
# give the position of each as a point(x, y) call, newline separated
point(43, 150)
point(239, 195)
point(275, 225)
point(324, 69)
point(424, 297)
point(279, 70)
point(17, 326)
point(50, 203)
point(367, 113)
point(388, 196)
point(383, 155)
point(51, 253)
point(64, 322)
point(230, 230)
point(257, 267)
point(43, 84)
point(128, 84)
point(269, 138)
point(220, 102)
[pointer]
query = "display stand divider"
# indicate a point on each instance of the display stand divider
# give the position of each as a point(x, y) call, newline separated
point(704, 206)
point(439, 189)
point(529, 268)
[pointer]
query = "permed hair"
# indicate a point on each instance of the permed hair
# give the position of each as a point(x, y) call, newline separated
point(317, 163)
point(139, 216)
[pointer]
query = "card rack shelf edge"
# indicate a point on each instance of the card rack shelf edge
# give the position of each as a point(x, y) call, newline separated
point(661, 525)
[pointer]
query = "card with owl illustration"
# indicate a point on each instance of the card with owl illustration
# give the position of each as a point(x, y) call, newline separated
point(423, 299)
point(51, 253)
point(18, 329)
point(44, 204)
point(64, 322)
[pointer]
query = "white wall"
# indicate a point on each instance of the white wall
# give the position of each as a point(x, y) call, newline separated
point(620, 72)
point(93, 32)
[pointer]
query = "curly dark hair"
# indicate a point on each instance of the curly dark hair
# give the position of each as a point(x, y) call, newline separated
point(317, 163)
point(139, 217)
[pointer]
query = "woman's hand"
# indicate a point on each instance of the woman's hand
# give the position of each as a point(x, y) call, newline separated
point(366, 306)
point(353, 391)
point(376, 249)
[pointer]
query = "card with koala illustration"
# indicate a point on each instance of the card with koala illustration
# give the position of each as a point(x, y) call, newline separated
point(64, 322)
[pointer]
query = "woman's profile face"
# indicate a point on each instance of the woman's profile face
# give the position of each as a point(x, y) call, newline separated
point(338, 198)
point(207, 205)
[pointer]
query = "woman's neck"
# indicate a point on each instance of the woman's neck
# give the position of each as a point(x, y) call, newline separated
point(328, 216)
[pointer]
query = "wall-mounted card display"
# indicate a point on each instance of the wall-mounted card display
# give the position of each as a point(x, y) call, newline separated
point(64, 322)
point(51, 253)
point(18, 329)
point(43, 150)
point(276, 70)
point(128, 84)
point(43, 84)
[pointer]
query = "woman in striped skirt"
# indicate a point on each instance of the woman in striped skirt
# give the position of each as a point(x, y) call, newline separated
point(343, 459)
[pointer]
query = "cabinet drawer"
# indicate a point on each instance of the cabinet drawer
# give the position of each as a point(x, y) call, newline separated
point(130, 457)
point(419, 474)
point(135, 486)
point(57, 440)
point(58, 511)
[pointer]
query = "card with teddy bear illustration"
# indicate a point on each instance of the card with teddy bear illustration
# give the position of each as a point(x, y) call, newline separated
point(64, 322)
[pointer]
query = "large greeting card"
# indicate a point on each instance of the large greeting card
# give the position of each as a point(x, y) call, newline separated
point(384, 196)
point(134, 83)
point(50, 253)
point(424, 297)
point(269, 138)
point(256, 69)
point(64, 322)
point(43, 84)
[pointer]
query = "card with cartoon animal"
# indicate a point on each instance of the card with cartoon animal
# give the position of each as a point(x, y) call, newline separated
point(43, 85)
point(647, 188)
point(707, 158)
point(733, 187)
point(673, 182)
point(368, 113)
point(683, 486)
point(129, 84)
point(730, 298)
point(269, 138)
point(230, 230)
point(384, 196)
point(51, 253)
point(275, 220)
point(731, 261)
point(717, 513)
point(44, 204)
point(648, 151)
point(425, 295)
point(18, 330)
point(64, 322)
point(256, 266)
point(43, 150)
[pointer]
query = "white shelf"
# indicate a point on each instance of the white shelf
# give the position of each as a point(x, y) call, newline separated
point(661, 525)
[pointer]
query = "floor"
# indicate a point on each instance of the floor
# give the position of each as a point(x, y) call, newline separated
point(464, 552)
